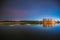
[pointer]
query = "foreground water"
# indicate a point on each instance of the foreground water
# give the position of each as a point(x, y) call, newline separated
point(30, 31)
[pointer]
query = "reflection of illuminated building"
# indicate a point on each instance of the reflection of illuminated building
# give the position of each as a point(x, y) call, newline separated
point(45, 22)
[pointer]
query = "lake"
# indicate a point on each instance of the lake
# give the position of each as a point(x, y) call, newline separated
point(30, 31)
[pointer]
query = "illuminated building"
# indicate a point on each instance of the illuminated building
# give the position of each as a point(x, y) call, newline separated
point(48, 22)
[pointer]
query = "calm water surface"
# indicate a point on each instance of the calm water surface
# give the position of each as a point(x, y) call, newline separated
point(30, 31)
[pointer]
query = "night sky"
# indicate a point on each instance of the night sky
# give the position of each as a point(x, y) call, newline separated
point(29, 9)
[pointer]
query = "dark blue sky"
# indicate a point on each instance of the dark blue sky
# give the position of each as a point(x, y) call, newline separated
point(30, 9)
